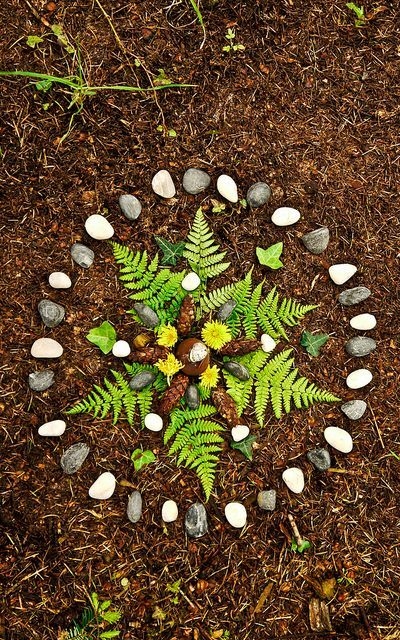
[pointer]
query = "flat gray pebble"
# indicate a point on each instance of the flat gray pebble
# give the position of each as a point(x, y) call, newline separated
point(354, 296)
point(41, 380)
point(192, 396)
point(316, 241)
point(195, 181)
point(236, 369)
point(354, 409)
point(73, 458)
point(226, 309)
point(360, 346)
point(149, 317)
point(130, 206)
point(82, 255)
point(258, 194)
point(51, 313)
point(134, 508)
point(196, 524)
point(142, 380)
point(320, 458)
point(267, 500)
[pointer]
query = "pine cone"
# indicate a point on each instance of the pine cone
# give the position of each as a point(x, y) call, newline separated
point(149, 355)
point(239, 347)
point(187, 314)
point(225, 405)
point(173, 394)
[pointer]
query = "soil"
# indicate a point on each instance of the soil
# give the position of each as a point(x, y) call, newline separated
point(311, 106)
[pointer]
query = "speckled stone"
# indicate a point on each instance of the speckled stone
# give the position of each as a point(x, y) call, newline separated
point(196, 524)
point(149, 317)
point(41, 380)
point(141, 380)
point(258, 195)
point(237, 370)
point(320, 458)
point(130, 206)
point(73, 458)
point(195, 181)
point(267, 500)
point(52, 314)
point(353, 296)
point(134, 508)
point(354, 409)
point(192, 396)
point(360, 346)
point(82, 255)
point(316, 241)
point(226, 309)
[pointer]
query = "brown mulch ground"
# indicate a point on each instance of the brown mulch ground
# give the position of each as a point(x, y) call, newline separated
point(312, 107)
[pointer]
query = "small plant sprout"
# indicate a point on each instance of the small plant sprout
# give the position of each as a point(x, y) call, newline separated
point(93, 621)
point(232, 47)
point(298, 544)
point(359, 19)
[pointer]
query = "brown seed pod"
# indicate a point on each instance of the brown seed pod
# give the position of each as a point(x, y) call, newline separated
point(173, 394)
point(149, 355)
point(186, 316)
point(225, 405)
point(239, 347)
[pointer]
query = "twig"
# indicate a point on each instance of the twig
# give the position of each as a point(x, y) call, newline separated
point(38, 16)
point(296, 533)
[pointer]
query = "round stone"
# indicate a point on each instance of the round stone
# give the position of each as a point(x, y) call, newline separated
point(240, 432)
point(82, 255)
point(195, 181)
point(141, 380)
point(41, 380)
point(52, 314)
point(316, 241)
point(363, 322)
point(360, 346)
point(340, 273)
point(46, 348)
point(320, 458)
point(121, 349)
point(169, 511)
point(53, 428)
point(267, 500)
point(358, 378)
point(354, 409)
point(130, 206)
point(227, 187)
point(196, 524)
point(267, 343)
point(134, 507)
point(192, 396)
point(163, 185)
point(191, 281)
point(294, 479)
point(285, 216)
point(354, 296)
point(73, 458)
point(59, 280)
point(258, 195)
point(146, 314)
point(153, 422)
point(236, 514)
point(98, 227)
point(339, 439)
point(103, 487)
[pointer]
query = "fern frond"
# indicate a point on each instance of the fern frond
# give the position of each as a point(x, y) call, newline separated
point(216, 298)
point(144, 400)
point(239, 390)
point(273, 313)
point(179, 416)
point(242, 295)
point(201, 252)
point(250, 318)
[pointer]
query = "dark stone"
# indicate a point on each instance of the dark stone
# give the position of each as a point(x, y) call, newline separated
point(320, 458)
point(192, 396)
point(73, 458)
point(258, 194)
point(82, 255)
point(226, 309)
point(41, 380)
point(134, 508)
point(195, 181)
point(149, 317)
point(130, 206)
point(354, 409)
point(196, 521)
point(267, 500)
point(236, 369)
point(142, 380)
point(51, 313)
point(316, 241)
point(360, 346)
point(354, 296)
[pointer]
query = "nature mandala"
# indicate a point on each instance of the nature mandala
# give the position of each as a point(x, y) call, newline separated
point(205, 356)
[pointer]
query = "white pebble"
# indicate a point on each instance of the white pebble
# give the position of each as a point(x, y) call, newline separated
point(240, 432)
point(285, 216)
point(103, 487)
point(191, 281)
point(358, 378)
point(46, 348)
point(59, 280)
point(340, 273)
point(363, 322)
point(121, 349)
point(169, 511)
point(153, 422)
point(267, 343)
point(53, 428)
point(236, 514)
point(98, 227)
point(294, 479)
point(338, 439)
point(163, 185)
point(226, 186)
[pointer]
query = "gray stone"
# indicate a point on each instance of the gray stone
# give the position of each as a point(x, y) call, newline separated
point(148, 316)
point(130, 206)
point(73, 458)
point(192, 396)
point(267, 500)
point(236, 369)
point(41, 380)
point(354, 296)
point(51, 313)
point(226, 309)
point(354, 409)
point(196, 524)
point(258, 194)
point(134, 508)
point(360, 346)
point(142, 380)
point(320, 458)
point(82, 255)
point(316, 241)
point(195, 181)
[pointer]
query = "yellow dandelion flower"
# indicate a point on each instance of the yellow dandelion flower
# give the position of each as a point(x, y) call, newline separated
point(209, 377)
point(169, 366)
point(167, 336)
point(215, 334)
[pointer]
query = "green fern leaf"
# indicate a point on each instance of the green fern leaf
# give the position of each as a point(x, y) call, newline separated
point(202, 252)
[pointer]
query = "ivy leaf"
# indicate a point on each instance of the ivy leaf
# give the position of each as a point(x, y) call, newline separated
point(141, 458)
point(32, 41)
point(313, 342)
point(270, 257)
point(103, 336)
point(171, 252)
point(245, 446)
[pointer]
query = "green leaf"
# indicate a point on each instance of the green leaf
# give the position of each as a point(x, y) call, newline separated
point(44, 85)
point(32, 41)
point(111, 616)
point(245, 446)
point(270, 257)
point(313, 342)
point(299, 548)
point(110, 634)
point(141, 458)
point(171, 252)
point(103, 336)
point(94, 599)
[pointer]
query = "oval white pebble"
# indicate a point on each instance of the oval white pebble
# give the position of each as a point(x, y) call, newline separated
point(340, 273)
point(191, 281)
point(339, 439)
point(169, 511)
point(53, 428)
point(103, 487)
point(358, 378)
point(98, 227)
point(294, 479)
point(226, 186)
point(363, 322)
point(59, 280)
point(236, 514)
point(121, 349)
point(46, 348)
point(267, 343)
point(163, 185)
point(240, 432)
point(285, 216)
point(153, 422)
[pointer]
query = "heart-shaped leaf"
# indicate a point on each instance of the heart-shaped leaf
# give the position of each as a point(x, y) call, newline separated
point(141, 458)
point(313, 342)
point(245, 446)
point(103, 336)
point(270, 257)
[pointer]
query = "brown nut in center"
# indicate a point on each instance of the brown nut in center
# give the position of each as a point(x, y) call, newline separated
point(194, 355)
